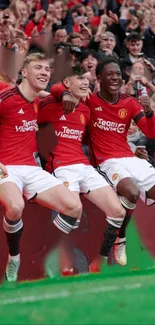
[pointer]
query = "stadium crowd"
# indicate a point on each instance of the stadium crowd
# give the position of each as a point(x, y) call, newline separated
point(87, 42)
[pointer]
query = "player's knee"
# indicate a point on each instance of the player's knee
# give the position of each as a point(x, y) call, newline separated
point(129, 189)
point(120, 212)
point(133, 195)
point(76, 209)
point(14, 210)
point(117, 212)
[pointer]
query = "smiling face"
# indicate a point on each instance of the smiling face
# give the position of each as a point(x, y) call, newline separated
point(78, 86)
point(134, 47)
point(58, 9)
point(110, 79)
point(37, 74)
point(89, 12)
point(22, 7)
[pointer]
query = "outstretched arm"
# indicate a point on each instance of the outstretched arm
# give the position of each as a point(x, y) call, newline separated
point(144, 116)
point(59, 92)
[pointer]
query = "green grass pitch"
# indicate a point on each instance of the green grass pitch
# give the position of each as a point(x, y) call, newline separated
point(116, 296)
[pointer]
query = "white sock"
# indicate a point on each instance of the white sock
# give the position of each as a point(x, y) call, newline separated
point(14, 258)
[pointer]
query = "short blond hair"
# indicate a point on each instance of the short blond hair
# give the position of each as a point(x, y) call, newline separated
point(38, 56)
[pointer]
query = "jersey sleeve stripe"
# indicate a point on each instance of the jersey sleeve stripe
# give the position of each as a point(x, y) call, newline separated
point(8, 93)
point(47, 102)
point(138, 116)
point(150, 114)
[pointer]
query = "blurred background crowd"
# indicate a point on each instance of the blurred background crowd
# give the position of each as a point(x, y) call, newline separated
point(80, 33)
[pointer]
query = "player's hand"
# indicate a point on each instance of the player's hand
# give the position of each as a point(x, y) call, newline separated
point(145, 102)
point(141, 153)
point(68, 103)
point(3, 171)
point(149, 65)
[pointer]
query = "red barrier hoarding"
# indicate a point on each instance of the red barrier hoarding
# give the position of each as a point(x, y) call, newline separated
point(40, 236)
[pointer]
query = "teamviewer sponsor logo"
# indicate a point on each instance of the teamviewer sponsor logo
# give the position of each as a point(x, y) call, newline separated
point(27, 126)
point(69, 133)
point(109, 126)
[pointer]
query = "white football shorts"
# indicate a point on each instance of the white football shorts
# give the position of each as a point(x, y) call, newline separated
point(80, 178)
point(114, 170)
point(31, 180)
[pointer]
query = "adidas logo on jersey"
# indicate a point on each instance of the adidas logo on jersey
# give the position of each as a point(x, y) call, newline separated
point(21, 111)
point(62, 118)
point(98, 109)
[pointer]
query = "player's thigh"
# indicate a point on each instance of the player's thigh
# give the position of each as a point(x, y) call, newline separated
point(47, 190)
point(114, 172)
point(119, 173)
point(101, 193)
point(92, 180)
point(59, 198)
point(107, 200)
point(70, 176)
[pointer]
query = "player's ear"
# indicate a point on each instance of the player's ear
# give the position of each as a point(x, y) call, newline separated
point(66, 82)
point(24, 73)
point(98, 78)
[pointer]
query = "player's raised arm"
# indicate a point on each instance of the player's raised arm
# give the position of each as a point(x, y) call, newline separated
point(60, 92)
point(144, 116)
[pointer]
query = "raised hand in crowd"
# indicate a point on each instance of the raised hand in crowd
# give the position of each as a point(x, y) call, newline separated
point(113, 18)
point(146, 103)
point(149, 65)
point(39, 15)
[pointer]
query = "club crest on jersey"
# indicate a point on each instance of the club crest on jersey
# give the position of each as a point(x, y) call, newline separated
point(114, 176)
point(35, 108)
point(82, 119)
point(4, 176)
point(66, 184)
point(122, 113)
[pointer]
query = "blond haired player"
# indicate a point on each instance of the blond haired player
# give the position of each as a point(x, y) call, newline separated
point(20, 173)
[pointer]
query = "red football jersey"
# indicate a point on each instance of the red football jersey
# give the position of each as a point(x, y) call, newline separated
point(3, 85)
point(109, 126)
point(18, 125)
point(69, 130)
